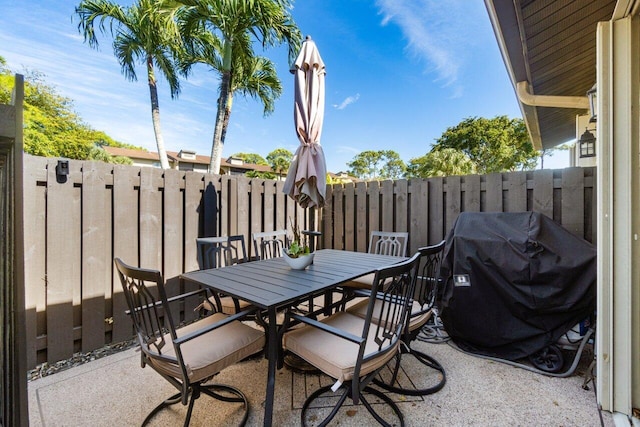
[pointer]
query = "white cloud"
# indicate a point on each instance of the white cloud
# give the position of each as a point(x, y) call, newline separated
point(348, 100)
point(346, 149)
point(439, 33)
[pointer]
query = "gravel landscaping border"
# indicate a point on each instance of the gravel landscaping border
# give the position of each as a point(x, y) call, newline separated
point(77, 359)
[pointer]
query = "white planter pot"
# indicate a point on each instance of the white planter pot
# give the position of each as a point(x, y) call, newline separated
point(300, 263)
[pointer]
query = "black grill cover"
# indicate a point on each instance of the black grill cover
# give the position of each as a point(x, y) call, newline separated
point(514, 283)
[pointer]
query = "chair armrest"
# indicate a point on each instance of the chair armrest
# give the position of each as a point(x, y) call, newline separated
point(187, 294)
point(169, 300)
point(188, 337)
point(327, 328)
point(379, 296)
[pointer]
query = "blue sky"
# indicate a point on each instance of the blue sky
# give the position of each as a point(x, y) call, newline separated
point(399, 73)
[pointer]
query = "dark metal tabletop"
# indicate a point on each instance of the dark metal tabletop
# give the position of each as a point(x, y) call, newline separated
point(269, 283)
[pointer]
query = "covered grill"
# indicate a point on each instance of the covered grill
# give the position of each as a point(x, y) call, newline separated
point(514, 283)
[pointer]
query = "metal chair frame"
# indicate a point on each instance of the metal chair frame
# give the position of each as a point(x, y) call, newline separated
point(216, 252)
point(393, 288)
point(392, 243)
point(425, 294)
point(269, 244)
point(155, 330)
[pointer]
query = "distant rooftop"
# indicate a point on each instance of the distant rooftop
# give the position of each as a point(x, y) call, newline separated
point(185, 157)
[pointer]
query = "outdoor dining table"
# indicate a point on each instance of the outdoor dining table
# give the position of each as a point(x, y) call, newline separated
point(272, 285)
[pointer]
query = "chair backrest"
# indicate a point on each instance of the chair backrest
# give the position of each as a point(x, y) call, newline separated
point(388, 243)
point(388, 308)
point(426, 287)
point(215, 252)
point(269, 244)
point(151, 321)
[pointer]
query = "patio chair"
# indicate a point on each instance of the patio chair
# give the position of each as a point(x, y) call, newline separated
point(392, 243)
point(353, 349)
point(215, 252)
point(269, 244)
point(190, 355)
point(424, 298)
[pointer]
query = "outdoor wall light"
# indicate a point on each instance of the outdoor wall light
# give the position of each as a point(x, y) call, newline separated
point(62, 171)
point(587, 144)
point(592, 94)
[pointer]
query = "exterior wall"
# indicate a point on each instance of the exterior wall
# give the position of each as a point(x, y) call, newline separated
point(146, 163)
point(618, 322)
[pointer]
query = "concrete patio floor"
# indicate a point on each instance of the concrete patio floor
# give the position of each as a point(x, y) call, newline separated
point(115, 391)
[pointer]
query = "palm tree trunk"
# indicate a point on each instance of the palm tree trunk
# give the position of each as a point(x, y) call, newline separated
point(227, 114)
point(155, 115)
point(222, 116)
point(218, 131)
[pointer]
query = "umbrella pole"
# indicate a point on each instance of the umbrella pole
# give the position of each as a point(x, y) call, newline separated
point(312, 234)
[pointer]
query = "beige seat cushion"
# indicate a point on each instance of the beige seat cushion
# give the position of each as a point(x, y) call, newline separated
point(416, 320)
point(229, 307)
point(227, 303)
point(210, 353)
point(333, 355)
point(364, 282)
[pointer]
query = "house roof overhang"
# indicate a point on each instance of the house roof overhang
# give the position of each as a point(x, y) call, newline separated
point(549, 46)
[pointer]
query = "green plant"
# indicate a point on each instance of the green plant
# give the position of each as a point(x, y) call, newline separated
point(299, 245)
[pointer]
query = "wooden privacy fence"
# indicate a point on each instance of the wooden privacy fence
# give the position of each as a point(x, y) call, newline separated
point(75, 224)
point(427, 208)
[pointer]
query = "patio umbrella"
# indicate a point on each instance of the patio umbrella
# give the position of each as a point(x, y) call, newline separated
point(306, 180)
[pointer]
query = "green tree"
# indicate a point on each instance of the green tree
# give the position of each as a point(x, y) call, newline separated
point(280, 160)
point(233, 22)
point(382, 164)
point(394, 167)
point(253, 158)
point(443, 162)
point(99, 154)
point(493, 145)
point(51, 127)
point(260, 174)
point(144, 33)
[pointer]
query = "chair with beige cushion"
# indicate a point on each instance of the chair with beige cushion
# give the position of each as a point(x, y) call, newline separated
point(271, 244)
point(352, 349)
point(424, 297)
point(191, 355)
point(216, 252)
point(393, 243)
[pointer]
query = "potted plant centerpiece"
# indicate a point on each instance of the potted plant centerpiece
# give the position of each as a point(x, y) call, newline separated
point(297, 254)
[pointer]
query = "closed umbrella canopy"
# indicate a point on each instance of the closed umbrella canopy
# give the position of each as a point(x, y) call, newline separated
point(306, 180)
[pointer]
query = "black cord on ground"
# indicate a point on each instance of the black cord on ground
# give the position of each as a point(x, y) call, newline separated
point(568, 373)
point(433, 331)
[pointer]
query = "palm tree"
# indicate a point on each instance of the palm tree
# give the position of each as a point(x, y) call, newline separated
point(253, 76)
point(232, 23)
point(280, 160)
point(146, 33)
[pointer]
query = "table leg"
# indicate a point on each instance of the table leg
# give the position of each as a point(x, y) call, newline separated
point(272, 356)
